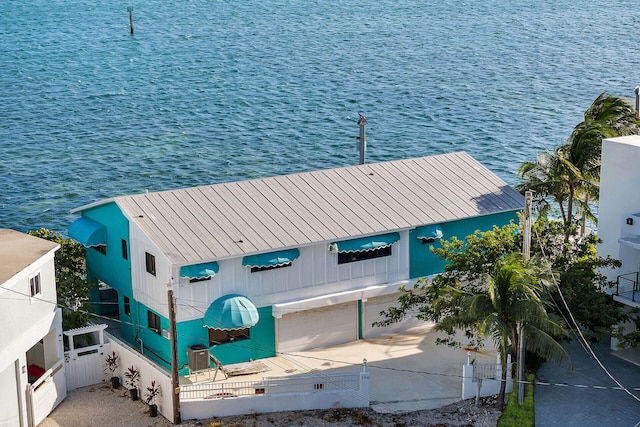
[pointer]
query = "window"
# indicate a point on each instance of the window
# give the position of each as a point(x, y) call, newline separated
point(154, 322)
point(125, 253)
point(100, 248)
point(151, 263)
point(127, 306)
point(269, 267)
point(221, 337)
point(34, 285)
point(347, 257)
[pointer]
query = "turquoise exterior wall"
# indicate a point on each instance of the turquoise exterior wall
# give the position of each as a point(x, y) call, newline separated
point(113, 268)
point(422, 262)
point(261, 344)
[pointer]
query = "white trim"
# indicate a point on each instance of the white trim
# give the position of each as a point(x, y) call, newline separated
point(278, 310)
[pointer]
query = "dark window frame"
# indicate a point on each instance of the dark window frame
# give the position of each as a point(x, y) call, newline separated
point(153, 321)
point(150, 262)
point(35, 285)
point(125, 249)
point(349, 257)
point(100, 248)
point(127, 305)
point(216, 336)
point(270, 267)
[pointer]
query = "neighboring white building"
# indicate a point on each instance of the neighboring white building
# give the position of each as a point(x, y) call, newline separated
point(31, 354)
point(619, 214)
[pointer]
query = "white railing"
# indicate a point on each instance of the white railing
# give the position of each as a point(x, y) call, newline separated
point(485, 379)
point(302, 392)
point(270, 385)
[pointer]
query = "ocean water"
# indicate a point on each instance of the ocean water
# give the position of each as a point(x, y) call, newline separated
point(209, 91)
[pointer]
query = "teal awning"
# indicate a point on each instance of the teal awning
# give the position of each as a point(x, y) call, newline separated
point(271, 259)
point(231, 312)
point(199, 271)
point(429, 233)
point(88, 232)
point(368, 243)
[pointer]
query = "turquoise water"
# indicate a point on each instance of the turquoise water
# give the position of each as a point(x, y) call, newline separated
point(208, 91)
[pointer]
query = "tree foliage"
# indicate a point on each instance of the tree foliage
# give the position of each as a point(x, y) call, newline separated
point(71, 284)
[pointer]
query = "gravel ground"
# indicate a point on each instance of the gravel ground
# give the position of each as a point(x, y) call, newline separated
point(100, 405)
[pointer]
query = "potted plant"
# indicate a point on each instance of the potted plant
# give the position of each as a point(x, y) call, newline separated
point(153, 392)
point(131, 378)
point(111, 365)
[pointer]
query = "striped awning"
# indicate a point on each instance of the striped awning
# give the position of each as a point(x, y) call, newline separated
point(199, 271)
point(231, 312)
point(88, 232)
point(371, 243)
point(271, 259)
point(429, 233)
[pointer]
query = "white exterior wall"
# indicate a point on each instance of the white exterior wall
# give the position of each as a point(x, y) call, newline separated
point(619, 196)
point(315, 273)
point(26, 321)
point(148, 289)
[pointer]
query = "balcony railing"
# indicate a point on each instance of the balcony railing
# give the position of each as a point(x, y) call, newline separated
point(627, 285)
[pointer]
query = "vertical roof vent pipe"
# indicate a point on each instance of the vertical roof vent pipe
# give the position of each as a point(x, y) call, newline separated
point(362, 139)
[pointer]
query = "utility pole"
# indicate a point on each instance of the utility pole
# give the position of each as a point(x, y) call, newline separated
point(526, 250)
point(175, 382)
point(362, 139)
point(638, 101)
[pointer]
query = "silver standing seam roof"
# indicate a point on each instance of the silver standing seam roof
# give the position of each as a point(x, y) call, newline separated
point(232, 219)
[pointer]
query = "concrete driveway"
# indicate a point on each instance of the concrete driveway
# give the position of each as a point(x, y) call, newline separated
point(408, 371)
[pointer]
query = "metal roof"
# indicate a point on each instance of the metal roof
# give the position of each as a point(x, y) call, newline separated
point(260, 215)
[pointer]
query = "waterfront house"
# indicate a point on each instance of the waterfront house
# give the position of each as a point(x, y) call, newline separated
point(31, 356)
point(284, 263)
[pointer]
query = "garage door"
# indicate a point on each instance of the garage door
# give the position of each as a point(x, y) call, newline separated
point(320, 327)
point(372, 309)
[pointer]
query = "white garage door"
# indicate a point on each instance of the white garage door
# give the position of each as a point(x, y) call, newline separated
point(320, 327)
point(372, 309)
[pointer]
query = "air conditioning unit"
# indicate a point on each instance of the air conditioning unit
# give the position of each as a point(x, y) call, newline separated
point(198, 357)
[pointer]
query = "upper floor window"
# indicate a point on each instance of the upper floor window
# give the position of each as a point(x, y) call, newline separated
point(151, 263)
point(125, 252)
point(34, 285)
point(347, 257)
point(364, 248)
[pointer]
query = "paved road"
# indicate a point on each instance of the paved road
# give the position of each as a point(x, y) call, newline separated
point(588, 407)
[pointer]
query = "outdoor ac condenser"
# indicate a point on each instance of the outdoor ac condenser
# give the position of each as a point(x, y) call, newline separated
point(198, 357)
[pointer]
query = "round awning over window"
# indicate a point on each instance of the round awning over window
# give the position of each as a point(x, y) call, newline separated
point(429, 233)
point(231, 312)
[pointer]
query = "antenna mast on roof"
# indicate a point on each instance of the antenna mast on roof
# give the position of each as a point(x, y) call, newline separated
point(362, 139)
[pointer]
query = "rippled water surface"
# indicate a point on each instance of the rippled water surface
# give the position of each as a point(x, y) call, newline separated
point(208, 91)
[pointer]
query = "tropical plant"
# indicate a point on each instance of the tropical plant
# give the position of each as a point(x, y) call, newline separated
point(132, 376)
point(71, 284)
point(112, 362)
point(571, 173)
point(510, 298)
point(153, 391)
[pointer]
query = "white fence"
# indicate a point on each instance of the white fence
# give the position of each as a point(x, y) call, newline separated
point(85, 366)
point(484, 380)
point(301, 392)
point(46, 393)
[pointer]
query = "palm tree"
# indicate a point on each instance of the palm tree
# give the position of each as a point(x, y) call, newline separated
point(506, 300)
point(572, 172)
